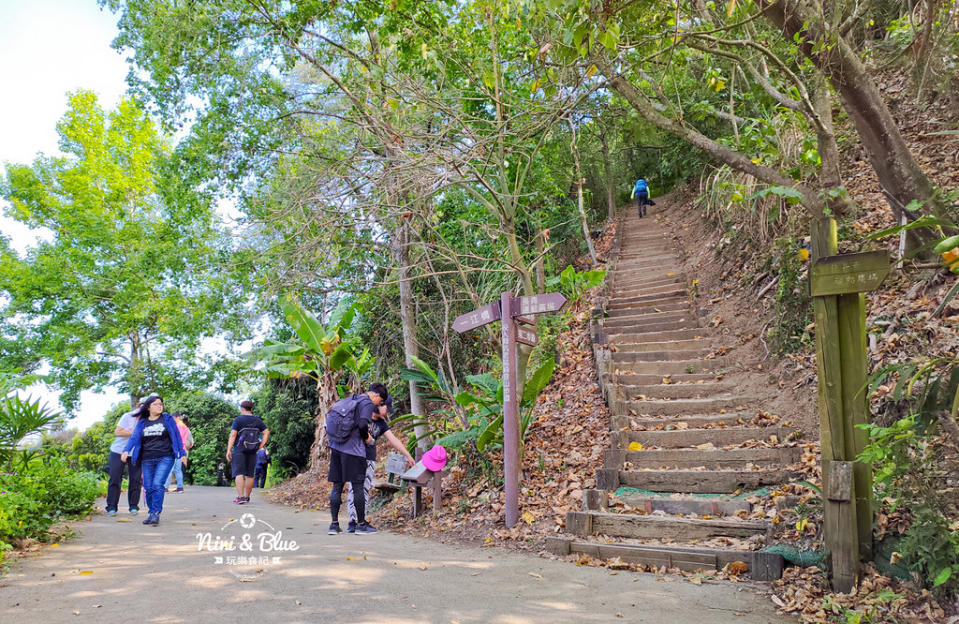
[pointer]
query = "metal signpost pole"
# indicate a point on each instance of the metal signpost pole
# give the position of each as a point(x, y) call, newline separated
point(510, 414)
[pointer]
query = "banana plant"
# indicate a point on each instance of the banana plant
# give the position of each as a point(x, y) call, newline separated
point(322, 353)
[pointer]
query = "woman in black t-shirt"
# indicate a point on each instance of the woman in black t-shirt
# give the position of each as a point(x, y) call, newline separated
point(155, 444)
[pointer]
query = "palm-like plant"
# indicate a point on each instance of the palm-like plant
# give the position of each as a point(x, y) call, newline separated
point(20, 417)
point(324, 354)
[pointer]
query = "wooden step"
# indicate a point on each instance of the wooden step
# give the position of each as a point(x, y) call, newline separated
point(680, 505)
point(644, 316)
point(635, 281)
point(665, 368)
point(693, 481)
point(619, 338)
point(673, 391)
point(648, 301)
point(719, 459)
point(695, 405)
point(697, 421)
point(761, 566)
point(650, 327)
point(660, 527)
point(622, 356)
point(647, 263)
point(674, 281)
point(666, 345)
point(639, 379)
point(648, 307)
point(685, 438)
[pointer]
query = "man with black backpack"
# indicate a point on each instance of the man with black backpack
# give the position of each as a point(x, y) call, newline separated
point(248, 434)
point(348, 432)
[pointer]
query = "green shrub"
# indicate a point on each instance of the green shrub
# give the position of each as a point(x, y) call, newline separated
point(907, 458)
point(34, 496)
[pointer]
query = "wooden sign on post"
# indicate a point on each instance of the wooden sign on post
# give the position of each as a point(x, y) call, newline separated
point(837, 284)
point(518, 327)
point(477, 318)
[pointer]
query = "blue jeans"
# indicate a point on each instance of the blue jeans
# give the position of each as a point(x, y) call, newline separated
point(176, 472)
point(155, 471)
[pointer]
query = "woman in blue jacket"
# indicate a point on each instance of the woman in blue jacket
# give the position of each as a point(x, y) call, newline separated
point(155, 444)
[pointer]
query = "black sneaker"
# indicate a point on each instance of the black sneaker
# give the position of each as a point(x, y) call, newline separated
point(365, 528)
point(334, 529)
point(351, 527)
point(156, 519)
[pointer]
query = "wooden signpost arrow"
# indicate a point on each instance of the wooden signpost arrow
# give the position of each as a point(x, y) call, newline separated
point(518, 327)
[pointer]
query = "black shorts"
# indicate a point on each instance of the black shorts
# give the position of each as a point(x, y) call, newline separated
point(344, 467)
point(243, 463)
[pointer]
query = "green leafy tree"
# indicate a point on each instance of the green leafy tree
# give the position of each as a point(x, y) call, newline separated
point(210, 420)
point(128, 273)
point(286, 406)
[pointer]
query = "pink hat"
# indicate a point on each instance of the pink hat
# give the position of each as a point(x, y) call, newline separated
point(435, 458)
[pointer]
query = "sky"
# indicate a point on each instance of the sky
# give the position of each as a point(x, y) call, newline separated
point(49, 48)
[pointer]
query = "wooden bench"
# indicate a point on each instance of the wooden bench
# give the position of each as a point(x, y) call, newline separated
point(396, 467)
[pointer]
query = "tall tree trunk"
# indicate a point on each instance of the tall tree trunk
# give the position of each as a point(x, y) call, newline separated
point(136, 389)
point(540, 263)
point(401, 255)
point(829, 172)
point(608, 172)
point(326, 397)
point(898, 172)
point(574, 148)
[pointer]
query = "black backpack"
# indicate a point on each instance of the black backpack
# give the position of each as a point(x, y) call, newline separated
point(341, 420)
point(249, 438)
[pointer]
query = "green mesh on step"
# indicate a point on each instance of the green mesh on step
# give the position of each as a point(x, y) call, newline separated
point(793, 555)
point(882, 555)
point(631, 491)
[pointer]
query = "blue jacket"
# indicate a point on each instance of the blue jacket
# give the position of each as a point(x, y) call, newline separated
point(136, 438)
point(356, 444)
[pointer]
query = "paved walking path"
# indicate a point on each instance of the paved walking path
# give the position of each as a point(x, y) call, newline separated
point(117, 571)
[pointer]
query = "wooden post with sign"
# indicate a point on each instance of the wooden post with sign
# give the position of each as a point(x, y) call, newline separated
point(519, 326)
point(837, 285)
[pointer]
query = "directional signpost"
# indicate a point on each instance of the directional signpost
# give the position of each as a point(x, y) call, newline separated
point(837, 284)
point(519, 326)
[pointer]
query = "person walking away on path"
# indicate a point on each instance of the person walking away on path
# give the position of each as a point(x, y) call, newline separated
point(248, 435)
point(123, 431)
point(259, 473)
point(347, 444)
point(641, 193)
point(379, 427)
point(156, 444)
point(178, 467)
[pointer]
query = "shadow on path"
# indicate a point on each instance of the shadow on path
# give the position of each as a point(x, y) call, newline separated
point(122, 571)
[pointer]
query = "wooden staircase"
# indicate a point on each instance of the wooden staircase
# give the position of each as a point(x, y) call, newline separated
point(687, 448)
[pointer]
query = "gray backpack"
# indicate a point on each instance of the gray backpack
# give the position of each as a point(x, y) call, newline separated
point(341, 420)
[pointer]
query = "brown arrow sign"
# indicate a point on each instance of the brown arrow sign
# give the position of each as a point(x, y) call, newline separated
point(537, 304)
point(526, 335)
point(477, 318)
point(529, 320)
